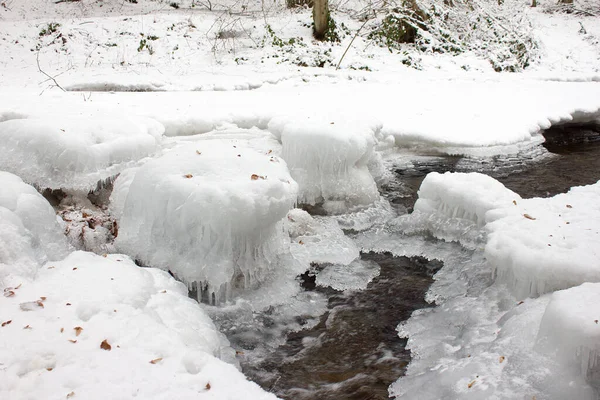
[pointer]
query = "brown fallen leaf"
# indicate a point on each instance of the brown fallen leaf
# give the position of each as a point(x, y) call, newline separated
point(515, 202)
point(78, 330)
point(70, 395)
point(270, 151)
point(105, 346)
point(198, 152)
point(43, 298)
point(164, 291)
point(6, 323)
point(521, 302)
point(207, 386)
point(18, 286)
point(31, 305)
point(569, 206)
point(301, 242)
point(74, 268)
point(51, 267)
point(470, 385)
point(68, 304)
point(49, 369)
point(104, 255)
point(239, 353)
point(529, 217)
point(254, 177)
point(502, 358)
point(156, 360)
point(596, 321)
point(62, 330)
point(27, 327)
point(188, 176)
point(8, 293)
point(72, 341)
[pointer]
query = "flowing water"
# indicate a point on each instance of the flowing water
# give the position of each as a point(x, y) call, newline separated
point(354, 352)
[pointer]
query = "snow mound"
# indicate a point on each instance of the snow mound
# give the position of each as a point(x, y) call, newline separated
point(29, 230)
point(319, 239)
point(543, 245)
point(98, 327)
point(570, 329)
point(329, 159)
point(75, 153)
point(455, 206)
point(211, 213)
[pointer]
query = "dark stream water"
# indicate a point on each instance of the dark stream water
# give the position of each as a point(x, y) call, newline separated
point(358, 353)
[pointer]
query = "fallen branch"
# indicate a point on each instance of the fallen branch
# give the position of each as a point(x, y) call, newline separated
point(37, 59)
point(350, 45)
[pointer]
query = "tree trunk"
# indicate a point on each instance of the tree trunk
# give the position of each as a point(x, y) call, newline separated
point(320, 18)
point(566, 1)
point(534, 3)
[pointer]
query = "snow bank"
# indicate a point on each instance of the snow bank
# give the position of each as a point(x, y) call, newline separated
point(455, 206)
point(29, 230)
point(329, 159)
point(98, 327)
point(543, 245)
point(75, 153)
point(209, 212)
point(570, 329)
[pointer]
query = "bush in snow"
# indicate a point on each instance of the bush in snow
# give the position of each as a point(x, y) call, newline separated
point(498, 32)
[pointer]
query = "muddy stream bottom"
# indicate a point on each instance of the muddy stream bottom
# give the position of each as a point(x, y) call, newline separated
point(354, 352)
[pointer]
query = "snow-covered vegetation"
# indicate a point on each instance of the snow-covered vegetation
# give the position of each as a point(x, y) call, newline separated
point(168, 170)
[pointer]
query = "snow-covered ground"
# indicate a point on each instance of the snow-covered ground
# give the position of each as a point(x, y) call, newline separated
point(220, 123)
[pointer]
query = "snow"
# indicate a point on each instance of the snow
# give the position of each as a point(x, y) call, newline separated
point(59, 321)
point(148, 86)
point(29, 230)
point(569, 328)
point(455, 206)
point(487, 339)
point(210, 213)
point(329, 160)
point(74, 153)
point(543, 245)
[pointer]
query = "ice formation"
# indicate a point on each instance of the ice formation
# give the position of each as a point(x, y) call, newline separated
point(355, 276)
point(98, 327)
point(211, 213)
point(455, 206)
point(543, 245)
point(319, 239)
point(329, 159)
point(30, 233)
point(75, 152)
point(571, 331)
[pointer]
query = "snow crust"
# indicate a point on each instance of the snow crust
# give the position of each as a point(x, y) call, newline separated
point(329, 160)
point(210, 213)
point(29, 230)
point(570, 330)
point(74, 152)
point(53, 345)
point(543, 245)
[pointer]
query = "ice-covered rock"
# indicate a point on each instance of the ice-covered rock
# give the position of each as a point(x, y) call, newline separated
point(329, 159)
point(75, 153)
point(354, 276)
point(455, 206)
point(29, 230)
point(571, 331)
point(98, 327)
point(543, 245)
point(210, 212)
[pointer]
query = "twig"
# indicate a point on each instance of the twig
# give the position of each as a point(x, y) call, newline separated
point(37, 59)
point(350, 45)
